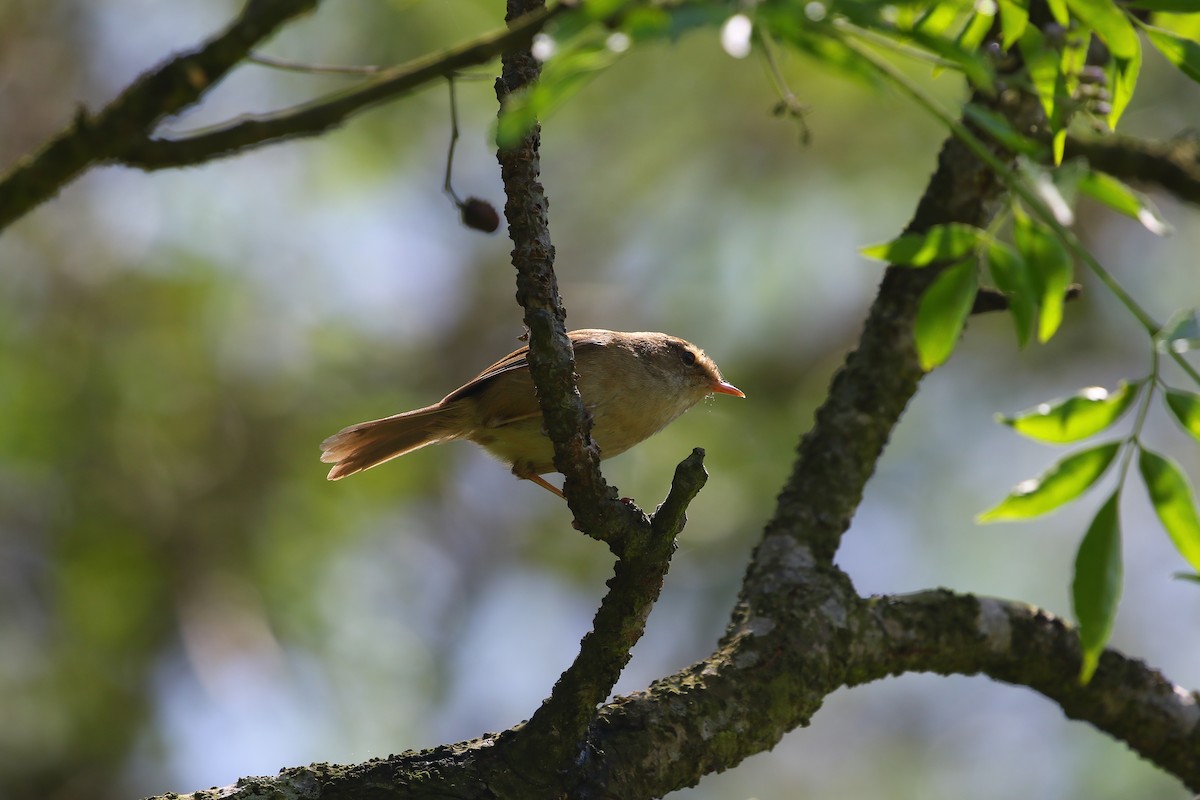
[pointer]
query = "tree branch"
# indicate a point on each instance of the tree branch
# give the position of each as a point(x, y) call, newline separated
point(1173, 165)
point(943, 632)
point(542, 751)
point(551, 357)
point(319, 116)
point(167, 89)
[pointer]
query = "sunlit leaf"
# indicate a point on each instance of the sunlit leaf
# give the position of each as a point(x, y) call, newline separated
point(1076, 417)
point(1043, 66)
point(1096, 588)
point(1173, 502)
point(1072, 60)
point(940, 19)
point(1181, 333)
point(976, 30)
point(1186, 408)
point(1110, 24)
point(1012, 276)
point(1058, 10)
point(1186, 26)
point(939, 243)
point(1122, 74)
point(1124, 200)
point(1014, 16)
point(1055, 487)
point(1183, 53)
point(1051, 268)
point(944, 309)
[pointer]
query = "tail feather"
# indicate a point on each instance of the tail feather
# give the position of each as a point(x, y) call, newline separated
point(366, 444)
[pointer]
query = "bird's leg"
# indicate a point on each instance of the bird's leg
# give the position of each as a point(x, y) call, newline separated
point(527, 474)
point(545, 484)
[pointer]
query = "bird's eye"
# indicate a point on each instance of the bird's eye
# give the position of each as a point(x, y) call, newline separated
point(689, 358)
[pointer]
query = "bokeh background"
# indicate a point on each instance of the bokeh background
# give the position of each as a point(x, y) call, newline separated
point(184, 599)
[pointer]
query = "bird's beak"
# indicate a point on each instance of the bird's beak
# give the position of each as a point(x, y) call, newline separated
point(724, 387)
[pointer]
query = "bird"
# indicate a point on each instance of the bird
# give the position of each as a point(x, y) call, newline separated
point(632, 384)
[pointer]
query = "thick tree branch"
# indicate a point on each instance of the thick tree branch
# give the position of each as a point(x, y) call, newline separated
point(1173, 165)
point(774, 674)
point(948, 633)
point(167, 89)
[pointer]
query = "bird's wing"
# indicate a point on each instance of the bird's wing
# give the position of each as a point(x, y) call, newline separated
point(519, 405)
point(514, 361)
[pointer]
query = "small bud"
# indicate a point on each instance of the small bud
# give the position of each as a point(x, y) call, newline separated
point(480, 215)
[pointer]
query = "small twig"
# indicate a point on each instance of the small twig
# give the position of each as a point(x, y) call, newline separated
point(789, 105)
point(447, 187)
point(316, 69)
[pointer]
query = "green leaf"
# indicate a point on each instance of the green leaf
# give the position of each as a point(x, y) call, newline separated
point(1043, 66)
point(603, 9)
point(944, 309)
point(1186, 408)
point(1013, 277)
point(1172, 498)
point(939, 243)
point(564, 74)
point(1076, 417)
point(1183, 53)
point(1058, 10)
point(1110, 24)
point(1124, 200)
point(1071, 62)
point(1051, 265)
point(1122, 74)
point(643, 24)
point(1001, 130)
point(976, 30)
point(1014, 17)
point(939, 19)
point(825, 49)
point(1096, 588)
point(1057, 486)
point(977, 68)
point(1185, 26)
point(1181, 333)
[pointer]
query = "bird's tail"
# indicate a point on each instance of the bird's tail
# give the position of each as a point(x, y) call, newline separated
point(366, 444)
